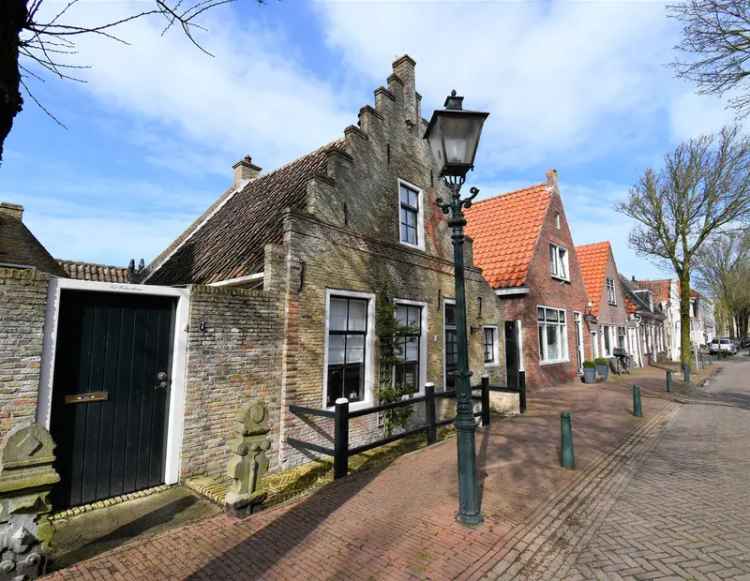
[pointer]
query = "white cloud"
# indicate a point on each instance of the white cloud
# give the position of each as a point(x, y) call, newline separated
point(693, 115)
point(252, 97)
point(572, 79)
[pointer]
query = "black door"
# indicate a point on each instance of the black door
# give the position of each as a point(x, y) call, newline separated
point(512, 359)
point(110, 394)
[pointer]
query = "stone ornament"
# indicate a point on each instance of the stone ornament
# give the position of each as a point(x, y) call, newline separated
point(26, 479)
point(249, 461)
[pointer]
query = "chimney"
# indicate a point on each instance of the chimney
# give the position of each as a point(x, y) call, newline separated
point(12, 210)
point(245, 170)
point(552, 178)
point(403, 68)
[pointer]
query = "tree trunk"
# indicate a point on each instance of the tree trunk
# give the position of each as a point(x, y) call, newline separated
point(12, 18)
point(685, 350)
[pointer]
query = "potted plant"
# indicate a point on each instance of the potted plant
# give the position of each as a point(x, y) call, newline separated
point(589, 372)
point(602, 367)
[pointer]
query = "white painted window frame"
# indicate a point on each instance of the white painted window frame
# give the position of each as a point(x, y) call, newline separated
point(369, 396)
point(176, 419)
point(555, 267)
point(611, 298)
point(423, 338)
point(495, 347)
point(445, 352)
point(566, 356)
point(420, 213)
point(580, 343)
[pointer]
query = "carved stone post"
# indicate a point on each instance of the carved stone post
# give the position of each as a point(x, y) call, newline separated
point(249, 461)
point(26, 479)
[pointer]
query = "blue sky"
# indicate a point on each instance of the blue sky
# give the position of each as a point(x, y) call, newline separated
point(583, 87)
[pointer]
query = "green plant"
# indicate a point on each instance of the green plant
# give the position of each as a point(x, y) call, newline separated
point(601, 361)
point(589, 364)
point(388, 330)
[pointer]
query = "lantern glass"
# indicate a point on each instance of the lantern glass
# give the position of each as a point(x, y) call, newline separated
point(453, 135)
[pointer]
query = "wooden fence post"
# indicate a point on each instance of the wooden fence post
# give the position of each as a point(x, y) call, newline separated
point(485, 400)
point(429, 412)
point(341, 439)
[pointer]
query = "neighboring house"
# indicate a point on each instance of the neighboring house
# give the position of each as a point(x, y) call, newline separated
point(608, 314)
point(523, 244)
point(666, 293)
point(646, 333)
point(19, 248)
point(275, 293)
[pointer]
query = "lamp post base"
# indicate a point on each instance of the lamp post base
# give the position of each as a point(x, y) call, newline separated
point(470, 520)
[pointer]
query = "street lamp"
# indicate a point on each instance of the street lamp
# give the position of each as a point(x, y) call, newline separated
point(453, 135)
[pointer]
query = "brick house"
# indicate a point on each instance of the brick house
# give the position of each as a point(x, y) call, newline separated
point(274, 293)
point(608, 328)
point(523, 244)
point(646, 331)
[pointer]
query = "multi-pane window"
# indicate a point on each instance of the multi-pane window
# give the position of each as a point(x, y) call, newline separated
point(606, 332)
point(553, 344)
point(490, 345)
point(451, 350)
point(558, 261)
point(611, 294)
point(407, 347)
point(409, 215)
point(621, 337)
point(347, 334)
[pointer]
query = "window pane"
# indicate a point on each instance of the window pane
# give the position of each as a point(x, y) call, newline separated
point(411, 235)
point(541, 343)
point(404, 195)
point(552, 259)
point(415, 318)
point(563, 263)
point(412, 349)
point(553, 343)
point(450, 314)
point(353, 381)
point(335, 384)
point(540, 313)
point(357, 315)
point(401, 315)
point(561, 316)
point(336, 347)
point(338, 314)
point(404, 233)
point(355, 348)
point(551, 314)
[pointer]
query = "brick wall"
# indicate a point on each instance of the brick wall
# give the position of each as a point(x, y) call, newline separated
point(234, 357)
point(550, 292)
point(23, 302)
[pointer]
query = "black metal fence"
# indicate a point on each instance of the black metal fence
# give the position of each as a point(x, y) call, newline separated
point(341, 416)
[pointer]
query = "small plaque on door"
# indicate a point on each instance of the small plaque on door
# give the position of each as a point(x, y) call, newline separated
point(87, 397)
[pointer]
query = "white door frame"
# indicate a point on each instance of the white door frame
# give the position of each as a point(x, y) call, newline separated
point(578, 320)
point(179, 355)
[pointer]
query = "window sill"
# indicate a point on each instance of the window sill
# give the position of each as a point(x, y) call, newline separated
point(491, 365)
point(556, 362)
point(560, 278)
point(354, 406)
point(412, 246)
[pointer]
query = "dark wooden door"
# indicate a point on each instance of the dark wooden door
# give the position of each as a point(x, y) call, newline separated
point(512, 356)
point(110, 394)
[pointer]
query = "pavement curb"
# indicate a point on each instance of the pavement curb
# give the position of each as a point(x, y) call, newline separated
point(541, 548)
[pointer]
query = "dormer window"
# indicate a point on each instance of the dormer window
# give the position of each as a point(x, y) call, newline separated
point(558, 262)
point(411, 215)
point(611, 294)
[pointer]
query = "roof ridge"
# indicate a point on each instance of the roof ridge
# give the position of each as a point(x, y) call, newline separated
point(66, 261)
point(502, 195)
point(607, 242)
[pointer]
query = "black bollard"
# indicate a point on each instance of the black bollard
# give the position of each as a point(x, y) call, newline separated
point(567, 457)
point(669, 380)
point(637, 409)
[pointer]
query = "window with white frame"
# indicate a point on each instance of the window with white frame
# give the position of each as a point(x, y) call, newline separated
point(410, 215)
point(621, 337)
point(347, 340)
point(558, 261)
point(607, 341)
point(491, 354)
point(407, 348)
point(553, 336)
point(611, 294)
point(450, 345)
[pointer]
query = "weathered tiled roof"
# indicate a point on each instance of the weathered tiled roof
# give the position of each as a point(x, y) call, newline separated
point(18, 246)
point(659, 288)
point(593, 260)
point(92, 271)
point(505, 230)
point(227, 240)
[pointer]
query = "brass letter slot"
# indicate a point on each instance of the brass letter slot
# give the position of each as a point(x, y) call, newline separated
point(87, 397)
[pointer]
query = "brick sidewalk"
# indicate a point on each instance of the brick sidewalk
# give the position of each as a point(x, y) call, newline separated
point(396, 522)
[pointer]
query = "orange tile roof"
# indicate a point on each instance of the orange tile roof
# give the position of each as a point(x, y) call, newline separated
point(659, 288)
point(593, 260)
point(505, 230)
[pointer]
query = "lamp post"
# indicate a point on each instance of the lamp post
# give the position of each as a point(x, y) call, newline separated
point(453, 135)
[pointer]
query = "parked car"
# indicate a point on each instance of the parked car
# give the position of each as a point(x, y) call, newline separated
point(745, 343)
point(723, 346)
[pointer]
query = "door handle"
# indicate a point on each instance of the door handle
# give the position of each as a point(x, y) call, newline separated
point(163, 379)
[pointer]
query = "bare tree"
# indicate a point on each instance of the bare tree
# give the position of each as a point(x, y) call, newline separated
point(716, 42)
point(28, 43)
point(723, 268)
point(703, 188)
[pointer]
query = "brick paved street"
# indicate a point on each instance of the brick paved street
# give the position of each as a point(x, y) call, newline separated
point(681, 512)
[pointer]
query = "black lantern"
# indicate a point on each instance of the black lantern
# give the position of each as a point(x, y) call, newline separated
point(453, 135)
